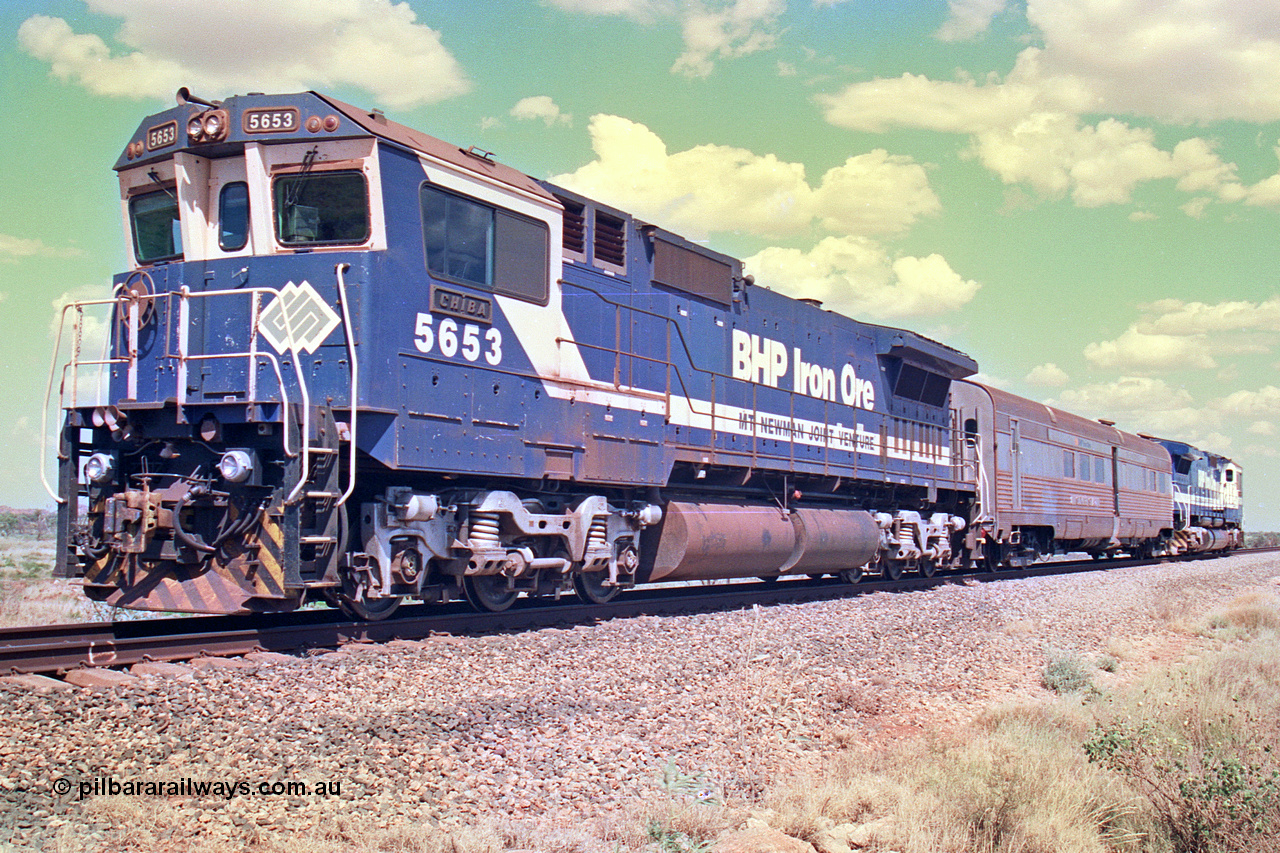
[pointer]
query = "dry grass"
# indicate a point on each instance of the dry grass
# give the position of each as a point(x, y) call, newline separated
point(30, 595)
point(1254, 612)
point(1186, 762)
point(1021, 784)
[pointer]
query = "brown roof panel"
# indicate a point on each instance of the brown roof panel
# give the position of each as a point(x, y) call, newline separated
point(379, 125)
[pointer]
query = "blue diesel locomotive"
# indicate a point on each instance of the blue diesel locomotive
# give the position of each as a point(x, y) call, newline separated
point(1208, 507)
point(350, 361)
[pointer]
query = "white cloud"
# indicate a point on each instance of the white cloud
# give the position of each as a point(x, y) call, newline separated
point(540, 108)
point(725, 29)
point(1148, 405)
point(1262, 428)
point(13, 248)
point(221, 46)
point(1265, 402)
point(639, 10)
point(1214, 60)
point(711, 29)
point(855, 276)
point(1048, 375)
point(1174, 316)
point(1173, 335)
point(1183, 61)
point(969, 18)
point(718, 188)
point(1143, 352)
point(713, 188)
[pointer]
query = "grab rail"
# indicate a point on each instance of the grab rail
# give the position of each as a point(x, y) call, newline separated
point(184, 358)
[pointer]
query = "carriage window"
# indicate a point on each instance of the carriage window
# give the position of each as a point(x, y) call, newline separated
point(157, 232)
point(233, 217)
point(473, 243)
point(1068, 463)
point(321, 208)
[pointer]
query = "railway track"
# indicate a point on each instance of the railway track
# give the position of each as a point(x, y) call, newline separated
point(55, 649)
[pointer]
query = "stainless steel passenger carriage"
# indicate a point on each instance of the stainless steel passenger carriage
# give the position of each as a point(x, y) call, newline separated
point(1050, 481)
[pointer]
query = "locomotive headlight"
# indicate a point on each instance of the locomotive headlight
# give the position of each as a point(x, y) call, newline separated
point(235, 466)
point(195, 127)
point(100, 468)
point(215, 125)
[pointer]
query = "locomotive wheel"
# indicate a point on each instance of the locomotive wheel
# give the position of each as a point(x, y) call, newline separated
point(488, 592)
point(892, 570)
point(928, 568)
point(591, 588)
point(369, 609)
point(851, 575)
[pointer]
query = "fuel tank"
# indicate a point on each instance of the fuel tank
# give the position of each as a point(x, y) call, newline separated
point(708, 541)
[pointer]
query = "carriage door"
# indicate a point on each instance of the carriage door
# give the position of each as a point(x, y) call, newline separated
point(1115, 481)
point(1015, 460)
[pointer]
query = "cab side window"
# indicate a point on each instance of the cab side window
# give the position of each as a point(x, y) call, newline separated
point(233, 217)
point(469, 242)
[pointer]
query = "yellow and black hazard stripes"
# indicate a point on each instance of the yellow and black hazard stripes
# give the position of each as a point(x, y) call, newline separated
point(268, 576)
point(249, 579)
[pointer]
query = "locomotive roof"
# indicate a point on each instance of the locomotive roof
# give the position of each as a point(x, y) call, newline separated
point(355, 122)
point(379, 125)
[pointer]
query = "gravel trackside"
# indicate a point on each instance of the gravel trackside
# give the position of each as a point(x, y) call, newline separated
point(563, 728)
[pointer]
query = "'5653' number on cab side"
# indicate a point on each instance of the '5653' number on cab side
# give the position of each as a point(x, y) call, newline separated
point(451, 340)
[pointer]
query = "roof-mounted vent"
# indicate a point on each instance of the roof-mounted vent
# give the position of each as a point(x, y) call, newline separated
point(478, 153)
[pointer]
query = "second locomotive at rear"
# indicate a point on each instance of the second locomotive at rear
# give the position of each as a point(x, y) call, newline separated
point(352, 361)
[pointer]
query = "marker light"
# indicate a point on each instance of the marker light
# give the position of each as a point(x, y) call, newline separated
point(235, 466)
point(100, 468)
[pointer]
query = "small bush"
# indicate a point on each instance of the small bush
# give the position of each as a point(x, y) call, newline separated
point(1065, 672)
point(1254, 612)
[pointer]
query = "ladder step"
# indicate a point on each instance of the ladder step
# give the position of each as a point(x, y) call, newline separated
point(322, 449)
point(322, 494)
point(318, 540)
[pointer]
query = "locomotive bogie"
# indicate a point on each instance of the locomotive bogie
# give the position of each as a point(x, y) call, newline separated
point(496, 534)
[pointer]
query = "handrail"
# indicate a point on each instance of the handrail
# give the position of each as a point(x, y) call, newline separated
point(48, 390)
point(338, 270)
point(305, 438)
point(252, 354)
point(671, 323)
point(74, 362)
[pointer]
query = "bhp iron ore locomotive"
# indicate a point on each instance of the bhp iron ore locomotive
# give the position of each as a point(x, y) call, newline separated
point(350, 361)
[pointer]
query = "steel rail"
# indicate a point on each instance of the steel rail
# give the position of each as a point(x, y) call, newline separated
point(59, 648)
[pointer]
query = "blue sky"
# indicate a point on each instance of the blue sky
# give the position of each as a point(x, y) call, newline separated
point(1082, 194)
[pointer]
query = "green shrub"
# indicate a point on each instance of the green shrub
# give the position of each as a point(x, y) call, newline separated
point(1065, 672)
